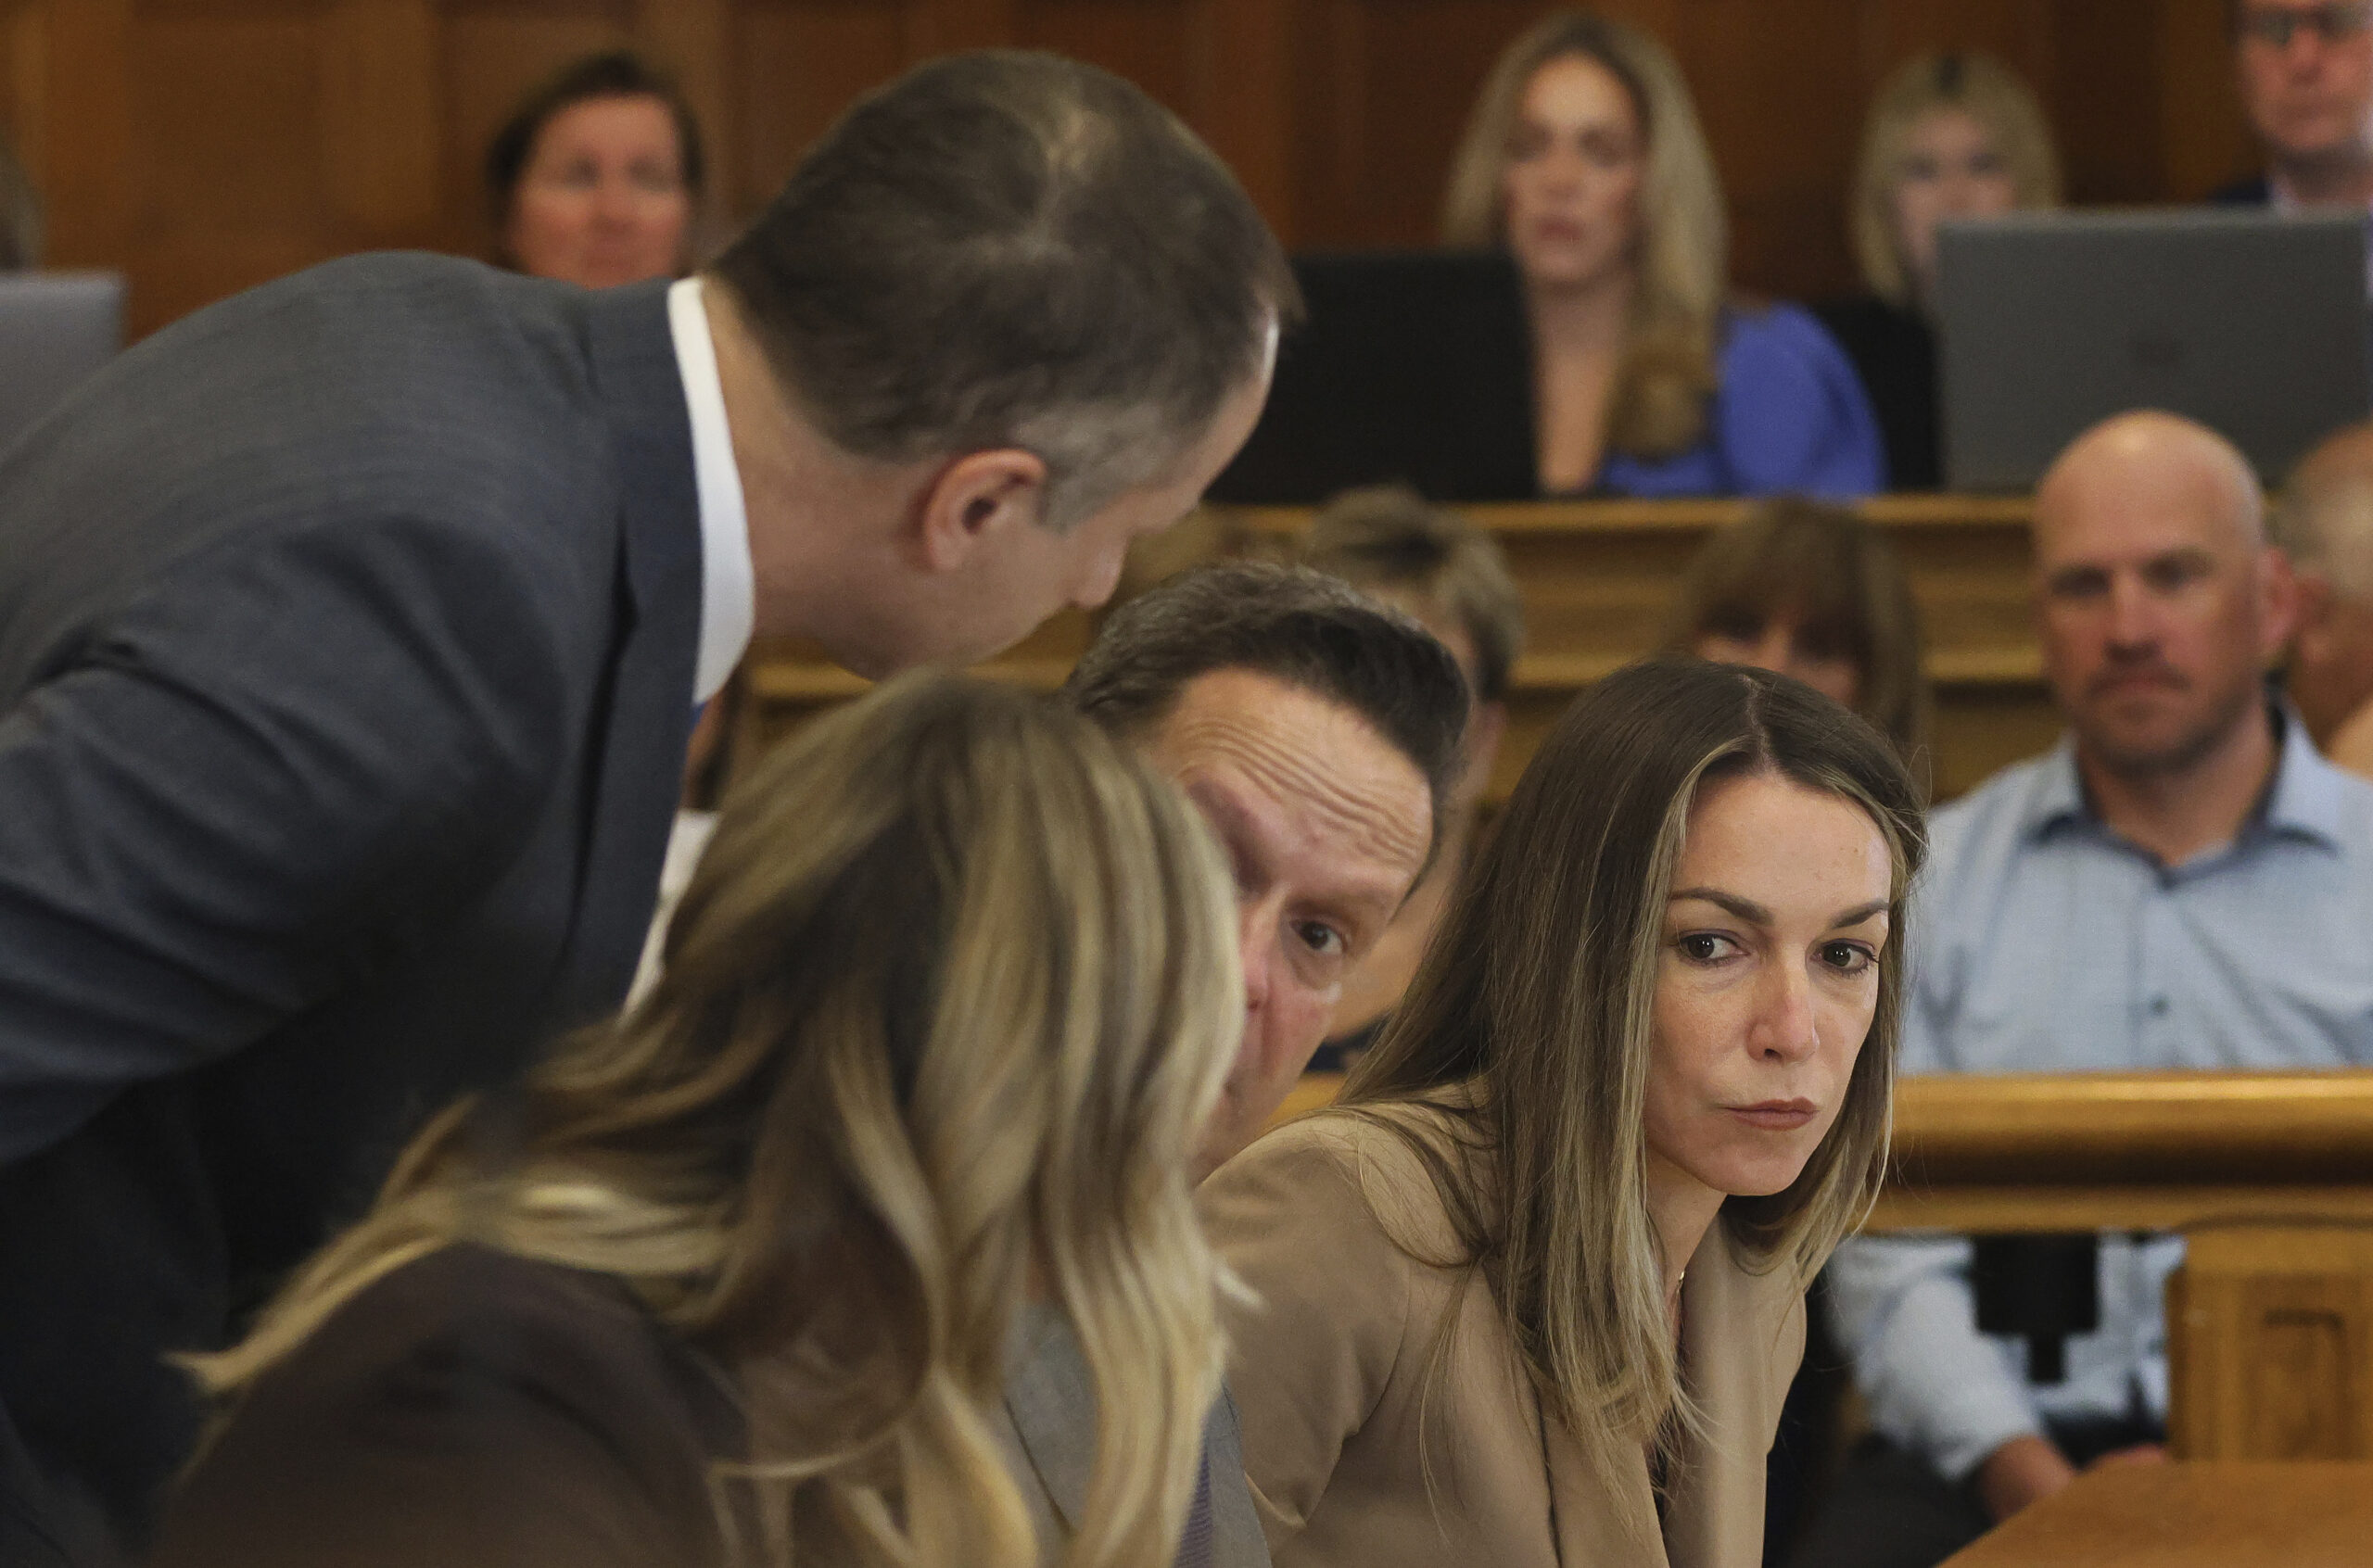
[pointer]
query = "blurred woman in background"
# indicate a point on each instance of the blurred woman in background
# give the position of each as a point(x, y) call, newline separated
point(732, 1279)
point(1950, 136)
point(1813, 591)
point(1584, 159)
point(596, 177)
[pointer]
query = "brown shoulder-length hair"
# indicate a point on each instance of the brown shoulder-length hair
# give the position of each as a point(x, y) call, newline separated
point(945, 1007)
point(1832, 576)
point(1528, 1028)
point(613, 73)
point(1669, 368)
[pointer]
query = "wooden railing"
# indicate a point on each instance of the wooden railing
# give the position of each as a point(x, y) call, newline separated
point(1598, 580)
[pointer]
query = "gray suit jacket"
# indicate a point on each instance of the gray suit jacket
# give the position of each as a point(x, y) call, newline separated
point(1050, 1431)
point(347, 634)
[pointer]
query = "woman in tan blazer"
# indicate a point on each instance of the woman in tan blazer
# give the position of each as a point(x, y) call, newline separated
point(1663, 1011)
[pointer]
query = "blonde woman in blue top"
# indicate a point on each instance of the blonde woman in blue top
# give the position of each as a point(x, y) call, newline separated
point(1584, 159)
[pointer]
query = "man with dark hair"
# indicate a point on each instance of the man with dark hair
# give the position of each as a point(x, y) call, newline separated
point(1318, 733)
point(2306, 70)
point(351, 631)
point(1393, 544)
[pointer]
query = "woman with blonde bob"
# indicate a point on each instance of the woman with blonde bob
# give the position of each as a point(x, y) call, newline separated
point(1531, 1292)
point(730, 1279)
point(1955, 135)
point(1585, 160)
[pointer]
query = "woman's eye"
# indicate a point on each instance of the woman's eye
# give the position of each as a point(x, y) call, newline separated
point(1706, 947)
point(1847, 957)
point(1919, 167)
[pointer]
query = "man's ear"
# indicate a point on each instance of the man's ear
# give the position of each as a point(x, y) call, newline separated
point(974, 500)
point(2281, 601)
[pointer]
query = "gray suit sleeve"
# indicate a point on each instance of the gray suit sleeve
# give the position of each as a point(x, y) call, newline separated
point(273, 770)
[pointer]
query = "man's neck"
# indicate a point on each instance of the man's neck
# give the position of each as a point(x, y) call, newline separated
point(2340, 178)
point(808, 503)
point(2177, 815)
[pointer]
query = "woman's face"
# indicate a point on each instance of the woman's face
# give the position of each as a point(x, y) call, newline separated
point(1767, 982)
point(602, 200)
point(1571, 187)
point(1782, 648)
point(1950, 169)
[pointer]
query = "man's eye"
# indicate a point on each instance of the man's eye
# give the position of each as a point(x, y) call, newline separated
point(1320, 938)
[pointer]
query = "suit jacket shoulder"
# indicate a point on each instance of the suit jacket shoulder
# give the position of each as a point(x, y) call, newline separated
point(470, 1408)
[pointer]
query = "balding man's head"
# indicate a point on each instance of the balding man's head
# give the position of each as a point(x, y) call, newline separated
point(2326, 524)
point(2158, 600)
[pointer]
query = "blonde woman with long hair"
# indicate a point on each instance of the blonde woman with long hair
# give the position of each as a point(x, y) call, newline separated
point(1531, 1292)
point(733, 1279)
point(1953, 134)
point(1585, 160)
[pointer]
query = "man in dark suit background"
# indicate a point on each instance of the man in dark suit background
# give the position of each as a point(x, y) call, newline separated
point(2305, 69)
point(350, 632)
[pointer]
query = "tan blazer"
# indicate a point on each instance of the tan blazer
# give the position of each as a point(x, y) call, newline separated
point(1330, 1374)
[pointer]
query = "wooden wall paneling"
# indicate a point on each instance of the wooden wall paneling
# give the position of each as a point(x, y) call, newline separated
point(1244, 86)
point(227, 133)
point(693, 39)
point(796, 67)
point(2204, 134)
point(1782, 99)
point(382, 117)
point(83, 143)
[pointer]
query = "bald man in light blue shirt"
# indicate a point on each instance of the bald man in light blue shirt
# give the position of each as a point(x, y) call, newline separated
point(2183, 882)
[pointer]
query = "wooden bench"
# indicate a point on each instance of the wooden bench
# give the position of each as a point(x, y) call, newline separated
point(1598, 580)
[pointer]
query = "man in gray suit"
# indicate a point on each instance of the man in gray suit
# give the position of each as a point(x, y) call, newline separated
point(1319, 733)
point(350, 632)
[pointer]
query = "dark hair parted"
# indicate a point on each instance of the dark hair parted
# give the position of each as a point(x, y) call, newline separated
point(1836, 580)
point(1296, 625)
point(1528, 1026)
point(1011, 249)
point(615, 73)
point(1389, 541)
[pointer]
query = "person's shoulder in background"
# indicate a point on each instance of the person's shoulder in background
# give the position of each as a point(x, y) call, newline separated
point(469, 1407)
point(1791, 415)
point(1894, 352)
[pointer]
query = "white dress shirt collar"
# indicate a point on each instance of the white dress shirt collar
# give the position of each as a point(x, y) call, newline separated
point(729, 604)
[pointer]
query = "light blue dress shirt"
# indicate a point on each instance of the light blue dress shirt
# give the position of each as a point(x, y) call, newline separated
point(2044, 942)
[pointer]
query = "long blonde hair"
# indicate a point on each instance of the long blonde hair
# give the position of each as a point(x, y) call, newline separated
point(1669, 368)
point(1981, 87)
point(1528, 1031)
point(942, 1010)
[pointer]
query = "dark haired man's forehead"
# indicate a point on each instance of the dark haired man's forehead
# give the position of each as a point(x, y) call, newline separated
point(1319, 764)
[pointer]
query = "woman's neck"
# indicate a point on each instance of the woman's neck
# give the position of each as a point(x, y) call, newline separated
point(1578, 337)
point(1581, 320)
point(1683, 1209)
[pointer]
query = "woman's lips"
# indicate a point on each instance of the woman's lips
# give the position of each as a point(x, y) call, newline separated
point(1776, 1115)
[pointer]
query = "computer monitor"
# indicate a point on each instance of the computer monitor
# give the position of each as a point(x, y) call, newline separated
point(1412, 365)
point(2251, 322)
point(56, 328)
